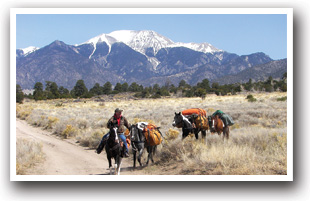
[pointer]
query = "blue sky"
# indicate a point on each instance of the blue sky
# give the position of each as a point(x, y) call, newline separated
point(235, 33)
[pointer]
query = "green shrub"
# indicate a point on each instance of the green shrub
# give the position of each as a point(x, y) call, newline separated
point(251, 98)
point(284, 98)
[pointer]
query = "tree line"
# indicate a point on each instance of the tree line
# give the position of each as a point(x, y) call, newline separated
point(52, 91)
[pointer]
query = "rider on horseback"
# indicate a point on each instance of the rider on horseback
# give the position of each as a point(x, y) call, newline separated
point(119, 121)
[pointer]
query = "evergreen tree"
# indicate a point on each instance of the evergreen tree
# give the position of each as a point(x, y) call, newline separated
point(19, 94)
point(125, 87)
point(64, 93)
point(38, 91)
point(215, 86)
point(51, 89)
point(189, 92)
point(145, 93)
point(182, 84)
point(164, 91)
point(118, 88)
point(200, 92)
point(140, 87)
point(156, 88)
point(107, 88)
point(96, 90)
point(80, 89)
point(205, 84)
point(134, 87)
point(249, 85)
point(173, 89)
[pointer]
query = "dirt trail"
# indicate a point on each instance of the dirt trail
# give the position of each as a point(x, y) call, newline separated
point(64, 157)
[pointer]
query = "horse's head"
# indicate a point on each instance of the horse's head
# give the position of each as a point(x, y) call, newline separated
point(213, 122)
point(178, 120)
point(133, 132)
point(136, 131)
point(113, 135)
point(181, 121)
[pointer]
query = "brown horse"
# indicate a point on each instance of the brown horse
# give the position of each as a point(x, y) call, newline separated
point(217, 125)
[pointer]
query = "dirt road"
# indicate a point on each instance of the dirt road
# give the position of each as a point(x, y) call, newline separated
point(65, 157)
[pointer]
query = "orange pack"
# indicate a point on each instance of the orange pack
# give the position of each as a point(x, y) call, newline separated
point(152, 135)
point(202, 122)
point(191, 111)
point(127, 135)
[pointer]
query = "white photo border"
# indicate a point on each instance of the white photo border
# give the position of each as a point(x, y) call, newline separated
point(287, 11)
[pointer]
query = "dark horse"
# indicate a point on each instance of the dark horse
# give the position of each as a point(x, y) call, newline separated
point(114, 150)
point(217, 125)
point(186, 123)
point(139, 142)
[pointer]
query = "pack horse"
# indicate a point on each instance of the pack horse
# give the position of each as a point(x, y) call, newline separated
point(144, 135)
point(192, 121)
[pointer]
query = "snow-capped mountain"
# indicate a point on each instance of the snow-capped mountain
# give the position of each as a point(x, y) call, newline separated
point(100, 39)
point(26, 51)
point(199, 47)
point(146, 40)
point(144, 57)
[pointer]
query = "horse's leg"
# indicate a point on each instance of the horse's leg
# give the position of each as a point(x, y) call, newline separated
point(196, 131)
point(184, 133)
point(149, 154)
point(227, 132)
point(110, 164)
point(134, 158)
point(115, 165)
point(203, 134)
point(140, 154)
point(152, 152)
point(119, 166)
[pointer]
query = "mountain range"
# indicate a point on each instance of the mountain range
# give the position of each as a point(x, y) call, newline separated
point(144, 57)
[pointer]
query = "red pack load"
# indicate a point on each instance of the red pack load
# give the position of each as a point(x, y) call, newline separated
point(198, 111)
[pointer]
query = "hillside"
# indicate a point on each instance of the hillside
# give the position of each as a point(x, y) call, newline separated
point(145, 57)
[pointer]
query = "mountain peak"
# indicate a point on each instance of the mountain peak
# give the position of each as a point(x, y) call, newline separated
point(141, 40)
point(57, 43)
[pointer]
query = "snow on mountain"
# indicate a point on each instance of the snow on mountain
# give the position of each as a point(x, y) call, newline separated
point(200, 47)
point(101, 38)
point(145, 39)
point(125, 36)
point(29, 50)
point(141, 40)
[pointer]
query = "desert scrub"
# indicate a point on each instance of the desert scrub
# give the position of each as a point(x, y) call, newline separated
point(90, 138)
point(51, 121)
point(137, 120)
point(284, 98)
point(254, 131)
point(172, 134)
point(259, 151)
point(23, 111)
point(28, 153)
point(68, 132)
point(251, 98)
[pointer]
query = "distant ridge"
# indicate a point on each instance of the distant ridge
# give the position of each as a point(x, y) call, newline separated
point(144, 57)
point(276, 69)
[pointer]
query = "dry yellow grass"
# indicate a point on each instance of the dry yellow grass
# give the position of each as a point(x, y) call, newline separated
point(28, 153)
point(257, 144)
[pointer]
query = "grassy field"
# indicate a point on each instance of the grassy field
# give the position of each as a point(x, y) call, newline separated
point(28, 154)
point(257, 144)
